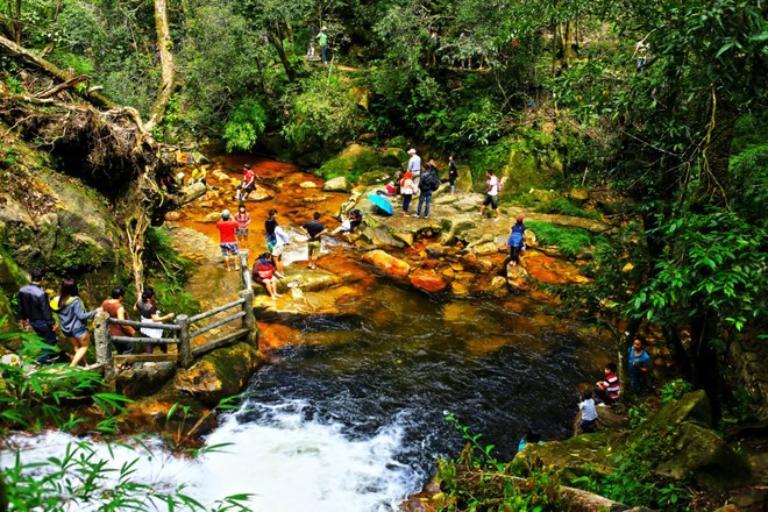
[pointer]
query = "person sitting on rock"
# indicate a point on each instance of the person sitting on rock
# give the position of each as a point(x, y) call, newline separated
point(248, 184)
point(516, 241)
point(349, 223)
point(588, 411)
point(265, 273)
point(608, 390)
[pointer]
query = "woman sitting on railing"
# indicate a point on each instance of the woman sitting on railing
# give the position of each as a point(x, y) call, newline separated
point(147, 308)
point(265, 272)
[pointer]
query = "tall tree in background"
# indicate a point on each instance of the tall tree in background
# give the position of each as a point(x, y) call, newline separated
point(167, 65)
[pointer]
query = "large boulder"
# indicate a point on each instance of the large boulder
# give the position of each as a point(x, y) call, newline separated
point(337, 184)
point(428, 280)
point(394, 157)
point(387, 264)
point(220, 374)
point(352, 161)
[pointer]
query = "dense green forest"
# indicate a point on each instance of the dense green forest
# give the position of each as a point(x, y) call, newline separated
point(661, 103)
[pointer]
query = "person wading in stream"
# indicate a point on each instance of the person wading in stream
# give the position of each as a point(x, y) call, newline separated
point(34, 310)
point(315, 229)
point(73, 319)
point(115, 309)
point(228, 239)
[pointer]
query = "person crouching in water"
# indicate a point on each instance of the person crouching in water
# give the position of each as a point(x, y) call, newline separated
point(73, 319)
point(265, 273)
point(516, 241)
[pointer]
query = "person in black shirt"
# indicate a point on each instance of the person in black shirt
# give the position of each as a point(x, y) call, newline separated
point(453, 173)
point(315, 230)
point(34, 310)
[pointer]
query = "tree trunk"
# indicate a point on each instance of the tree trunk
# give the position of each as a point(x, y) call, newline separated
point(167, 66)
point(17, 28)
point(706, 370)
point(717, 152)
point(277, 43)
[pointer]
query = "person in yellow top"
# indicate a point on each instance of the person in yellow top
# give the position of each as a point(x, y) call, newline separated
point(73, 319)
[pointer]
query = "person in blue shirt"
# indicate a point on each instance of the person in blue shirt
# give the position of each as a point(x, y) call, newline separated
point(639, 367)
point(516, 241)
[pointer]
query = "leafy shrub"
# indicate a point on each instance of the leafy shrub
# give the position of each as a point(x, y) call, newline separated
point(245, 125)
point(674, 390)
point(323, 114)
point(168, 273)
point(570, 241)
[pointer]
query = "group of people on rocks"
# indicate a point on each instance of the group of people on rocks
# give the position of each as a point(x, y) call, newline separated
point(66, 314)
point(608, 390)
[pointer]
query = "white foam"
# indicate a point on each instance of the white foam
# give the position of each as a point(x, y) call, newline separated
point(286, 462)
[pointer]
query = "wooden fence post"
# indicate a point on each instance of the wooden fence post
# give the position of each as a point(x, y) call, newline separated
point(249, 320)
point(245, 271)
point(103, 348)
point(185, 348)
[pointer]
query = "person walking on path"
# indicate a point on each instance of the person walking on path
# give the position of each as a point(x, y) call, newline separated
point(34, 310)
point(322, 41)
point(609, 389)
point(407, 189)
point(430, 182)
point(243, 219)
point(248, 184)
point(639, 367)
point(73, 319)
point(315, 229)
point(147, 308)
point(516, 241)
point(414, 165)
point(228, 239)
point(115, 309)
point(265, 273)
point(588, 410)
point(491, 194)
point(453, 173)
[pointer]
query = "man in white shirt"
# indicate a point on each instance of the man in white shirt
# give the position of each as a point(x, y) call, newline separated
point(414, 165)
point(491, 194)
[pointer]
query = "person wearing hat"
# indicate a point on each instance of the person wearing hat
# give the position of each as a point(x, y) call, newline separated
point(414, 165)
point(322, 40)
point(228, 238)
point(516, 241)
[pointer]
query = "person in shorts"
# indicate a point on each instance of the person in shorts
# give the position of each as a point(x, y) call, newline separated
point(491, 194)
point(243, 219)
point(248, 184)
point(315, 230)
point(228, 239)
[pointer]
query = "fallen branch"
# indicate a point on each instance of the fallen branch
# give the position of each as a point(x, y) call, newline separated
point(56, 89)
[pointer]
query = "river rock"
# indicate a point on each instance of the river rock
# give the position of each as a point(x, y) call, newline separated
point(212, 217)
point(219, 374)
point(143, 379)
point(173, 216)
point(394, 157)
point(376, 177)
point(579, 195)
point(221, 176)
point(258, 195)
point(498, 286)
point(308, 184)
point(486, 249)
point(517, 277)
point(337, 184)
point(428, 280)
point(459, 288)
point(388, 264)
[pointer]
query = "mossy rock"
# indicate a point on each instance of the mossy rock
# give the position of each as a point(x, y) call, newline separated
point(586, 454)
point(394, 157)
point(377, 177)
point(354, 160)
point(692, 406)
point(222, 373)
point(464, 183)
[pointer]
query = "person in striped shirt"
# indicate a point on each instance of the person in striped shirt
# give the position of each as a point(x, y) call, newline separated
point(608, 390)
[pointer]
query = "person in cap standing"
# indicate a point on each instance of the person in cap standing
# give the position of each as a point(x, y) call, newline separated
point(414, 165)
point(228, 238)
point(322, 41)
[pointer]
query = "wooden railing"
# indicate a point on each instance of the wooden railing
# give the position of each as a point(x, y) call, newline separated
point(180, 333)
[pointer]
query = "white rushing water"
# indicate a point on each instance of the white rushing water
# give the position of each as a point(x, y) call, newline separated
point(286, 462)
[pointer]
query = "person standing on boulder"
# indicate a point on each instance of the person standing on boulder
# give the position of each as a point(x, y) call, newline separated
point(453, 173)
point(516, 241)
point(414, 165)
point(407, 189)
point(315, 229)
point(430, 182)
point(34, 310)
point(228, 239)
point(243, 219)
point(491, 194)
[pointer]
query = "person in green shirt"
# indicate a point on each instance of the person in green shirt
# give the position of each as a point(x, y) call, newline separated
point(322, 39)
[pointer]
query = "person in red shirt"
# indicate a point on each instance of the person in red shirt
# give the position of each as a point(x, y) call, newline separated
point(227, 238)
point(248, 184)
point(608, 390)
